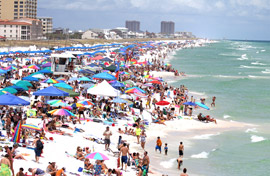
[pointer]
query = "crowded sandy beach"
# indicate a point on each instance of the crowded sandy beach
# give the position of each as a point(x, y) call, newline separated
point(91, 110)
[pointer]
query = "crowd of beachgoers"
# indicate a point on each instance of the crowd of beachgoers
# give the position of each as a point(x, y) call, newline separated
point(95, 118)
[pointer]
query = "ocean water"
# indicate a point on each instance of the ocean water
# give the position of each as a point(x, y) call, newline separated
point(238, 74)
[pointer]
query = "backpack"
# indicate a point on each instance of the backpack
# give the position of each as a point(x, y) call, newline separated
point(39, 145)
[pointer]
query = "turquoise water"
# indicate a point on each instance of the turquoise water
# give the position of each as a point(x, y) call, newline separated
point(238, 74)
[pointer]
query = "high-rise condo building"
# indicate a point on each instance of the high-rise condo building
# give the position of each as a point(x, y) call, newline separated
point(167, 27)
point(47, 24)
point(15, 9)
point(133, 26)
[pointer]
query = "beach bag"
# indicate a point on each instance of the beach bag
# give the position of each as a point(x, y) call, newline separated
point(128, 163)
point(39, 145)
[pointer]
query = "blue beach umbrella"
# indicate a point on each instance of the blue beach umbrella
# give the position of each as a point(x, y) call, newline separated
point(104, 75)
point(30, 78)
point(190, 103)
point(63, 85)
point(119, 100)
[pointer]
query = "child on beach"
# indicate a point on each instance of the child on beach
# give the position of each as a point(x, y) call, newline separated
point(159, 144)
point(166, 148)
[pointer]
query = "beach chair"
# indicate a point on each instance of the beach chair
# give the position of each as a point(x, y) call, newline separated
point(115, 153)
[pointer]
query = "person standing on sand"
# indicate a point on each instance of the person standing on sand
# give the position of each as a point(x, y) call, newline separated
point(38, 148)
point(138, 133)
point(184, 172)
point(181, 149)
point(143, 139)
point(107, 135)
point(213, 101)
point(159, 144)
point(124, 151)
point(145, 162)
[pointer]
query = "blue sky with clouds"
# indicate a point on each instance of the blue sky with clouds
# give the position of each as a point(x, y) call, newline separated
point(233, 19)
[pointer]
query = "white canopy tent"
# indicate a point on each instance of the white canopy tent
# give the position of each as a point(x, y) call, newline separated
point(104, 89)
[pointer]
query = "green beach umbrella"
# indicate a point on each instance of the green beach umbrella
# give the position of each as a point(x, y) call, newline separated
point(10, 90)
point(84, 79)
point(63, 85)
point(24, 84)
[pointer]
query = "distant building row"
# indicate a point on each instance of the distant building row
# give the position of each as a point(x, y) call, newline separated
point(167, 27)
point(13, 10)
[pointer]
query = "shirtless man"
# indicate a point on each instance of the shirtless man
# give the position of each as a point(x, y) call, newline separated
point(145, 162)
point(213, 101)
point(184, 172)
point(107, 135)
point(181, 149)
point(180, 162)
point(124, 152)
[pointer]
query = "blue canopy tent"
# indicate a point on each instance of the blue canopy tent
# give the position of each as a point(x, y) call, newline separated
point(30, 78)
point(104, 75)
point(45, 71)
point(3, 71)
point(117, 84)
point(9, 99)
point(9, 59)
point(51, 91)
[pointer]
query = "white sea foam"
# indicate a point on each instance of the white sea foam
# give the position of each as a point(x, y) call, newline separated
point(255, 138)
point(267, 71)
point(226, 116)
point(243, 57)
point(262, 50)
point(205, 136)
point(200, 155)
point(197, 93)
point(253, 67)
point(257, 63)
point(257, 52)
point(253, 130)
point(168, 164)
point(171, 81)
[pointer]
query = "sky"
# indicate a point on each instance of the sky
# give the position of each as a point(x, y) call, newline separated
point(214, 19)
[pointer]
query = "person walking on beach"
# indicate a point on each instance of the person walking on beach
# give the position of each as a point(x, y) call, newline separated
point(38, 148)
point(143, 139)
point(159, 144)
point(107, 133)
point(184, 172)
point(124, 152)
point(181, 149)
point(138, 133)
point(213, 101)
point(166, 148)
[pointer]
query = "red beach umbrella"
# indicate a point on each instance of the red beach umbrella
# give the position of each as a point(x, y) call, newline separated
point(162, 103)
point(155, 82)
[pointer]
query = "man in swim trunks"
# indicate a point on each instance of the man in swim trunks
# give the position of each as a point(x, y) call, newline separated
point(159, 144)
point(145, 162)
point(107, 135)
point(184, 172)
point(124, 152)
point(181, 149)
point(180, 162)
point(36, 171)
point(213, 101)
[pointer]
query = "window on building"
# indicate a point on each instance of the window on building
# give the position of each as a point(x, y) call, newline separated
point(10, 36)
point(4, 35)
point(21, 6)
point(23, 32)
point(15, 14)
point(5, 31)
point(15, 6)
point(21, 14)
point(15, 10)
point(4, 26)
point(16, 26)
point(21, 10)
point(15, 2)
point(21, 2)
point(23, 27)
point(10, 31)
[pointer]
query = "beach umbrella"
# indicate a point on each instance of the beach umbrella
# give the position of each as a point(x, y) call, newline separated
point(19, 88)
point(25, 98)
point(97, 58)
point(9, 99)
point(17, 133)
point(31, 127)
point(46, 65)
point(60, 104)
point(63, 85)
point(54, 101)
point(23, 83)
point(84, 79)
point(39, 76)
point(3, 71)
point(61, 112)
point(67, 107)
point(34, 67)
point(155, 82)
point(118, 84)
point(118, 100)
point(125, 96)
point(104, 75)
point(86, 86)
point(10, 90)
point(76, 105)
point(86, 103)
point(202, 105)
point(52, 81)
point(97, 156)
point(70, 92)
point(141, 95)
point(162, 103)
point(190, 103)
point(29, 78)
point(45, 71)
